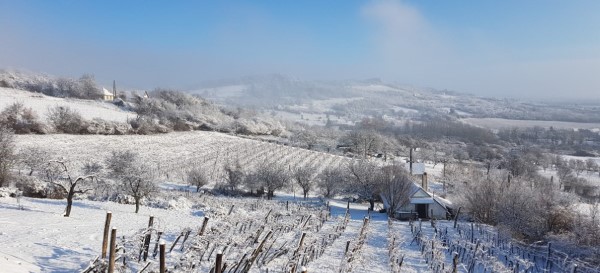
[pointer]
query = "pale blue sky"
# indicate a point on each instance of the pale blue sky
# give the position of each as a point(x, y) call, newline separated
point(509, 48)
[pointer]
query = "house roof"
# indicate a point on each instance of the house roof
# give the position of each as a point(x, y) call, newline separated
point(106, 92)
point(419, 196)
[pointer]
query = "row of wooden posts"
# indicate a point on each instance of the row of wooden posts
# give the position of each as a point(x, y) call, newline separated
point(110, 247)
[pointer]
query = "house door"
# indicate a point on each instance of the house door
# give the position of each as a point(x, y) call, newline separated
point(422, 210)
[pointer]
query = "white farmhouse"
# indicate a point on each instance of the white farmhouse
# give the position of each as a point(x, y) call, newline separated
point(107, 95)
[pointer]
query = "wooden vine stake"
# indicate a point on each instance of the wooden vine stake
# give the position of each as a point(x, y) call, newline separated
point(162, 257)
point(147, 238)
point(112, 254)
point(218, 262)
point(105, 237)
point(201, 232)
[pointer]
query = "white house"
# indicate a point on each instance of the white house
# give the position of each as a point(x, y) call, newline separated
point(422, 204)
point(107, 95)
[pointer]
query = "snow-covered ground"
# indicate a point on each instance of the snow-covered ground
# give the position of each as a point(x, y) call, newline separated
point(173, 154)
point(37, 238)
point(40, 103)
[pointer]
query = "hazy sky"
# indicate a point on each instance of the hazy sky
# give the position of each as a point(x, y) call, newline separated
point(508, 48)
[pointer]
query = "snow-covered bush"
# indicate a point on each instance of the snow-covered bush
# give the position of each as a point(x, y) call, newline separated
point(65, 120)
point(7, 154)
point(23, 120)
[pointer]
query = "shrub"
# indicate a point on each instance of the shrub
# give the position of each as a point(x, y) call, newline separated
point(65, 120)
point(21, 119)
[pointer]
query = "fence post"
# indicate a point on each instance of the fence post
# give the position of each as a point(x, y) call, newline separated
point(111, 253)
point(201, 232)
point(147, 239)
point(347, 246)
point(455, 263)
point(456, 216)
point(218, 262)
point(105, 237)
point(162, 257)
point(548, 262)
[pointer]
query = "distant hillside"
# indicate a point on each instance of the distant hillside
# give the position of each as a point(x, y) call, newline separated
point(89, 109)
point(368, 98)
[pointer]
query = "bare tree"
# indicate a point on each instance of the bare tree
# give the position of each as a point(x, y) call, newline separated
point(234, 175)
point(578, 166)
point(272, 177)
point(330, 181)
point(197, 177)
point(304, 176)
point(363, 178)
point(362, 142)
point(395, 187)
point(7, 155)
point(58, 174)
point(138, 183)
point(135, 178)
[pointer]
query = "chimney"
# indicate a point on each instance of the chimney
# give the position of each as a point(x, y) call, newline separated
point(424, 182)
point(410, 159)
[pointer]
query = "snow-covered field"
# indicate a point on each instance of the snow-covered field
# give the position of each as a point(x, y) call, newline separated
point(172, 155)
point(40, 103)
point(500, 123)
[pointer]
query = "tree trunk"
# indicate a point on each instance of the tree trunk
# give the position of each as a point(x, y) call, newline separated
point(137, 204)
point(305, 193)
point(198, 188)
point(371, 204)
point(70, 195)
point(270, 194)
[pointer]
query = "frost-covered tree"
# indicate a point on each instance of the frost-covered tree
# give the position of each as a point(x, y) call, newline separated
point(362, 142)
point(331, 180)
point(58, 173)
point(7, 154)
point(304, 177)
point(197, 177)
point(395, 187)
point(133, 175)
point(363, 180)
point(234, 175)
point(272, 177)
point(591, 165)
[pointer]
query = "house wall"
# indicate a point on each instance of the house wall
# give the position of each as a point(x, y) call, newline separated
point(439, 212)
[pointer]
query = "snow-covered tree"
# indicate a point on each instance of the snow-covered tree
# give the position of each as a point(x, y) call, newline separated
point(134, 176)
point(197, 177)
point(7, 155)
point(305, 178)
point(364, 180)
point(58, 173)
point(234, 175)
point(330, 181)
point(272, 177)
point(395, 187)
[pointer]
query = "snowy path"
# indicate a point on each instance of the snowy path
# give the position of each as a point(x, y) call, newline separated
point(413, 260)
point(331, 259)
point(375, 256)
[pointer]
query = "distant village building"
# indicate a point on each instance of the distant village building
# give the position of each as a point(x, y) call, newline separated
point(107, 95)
